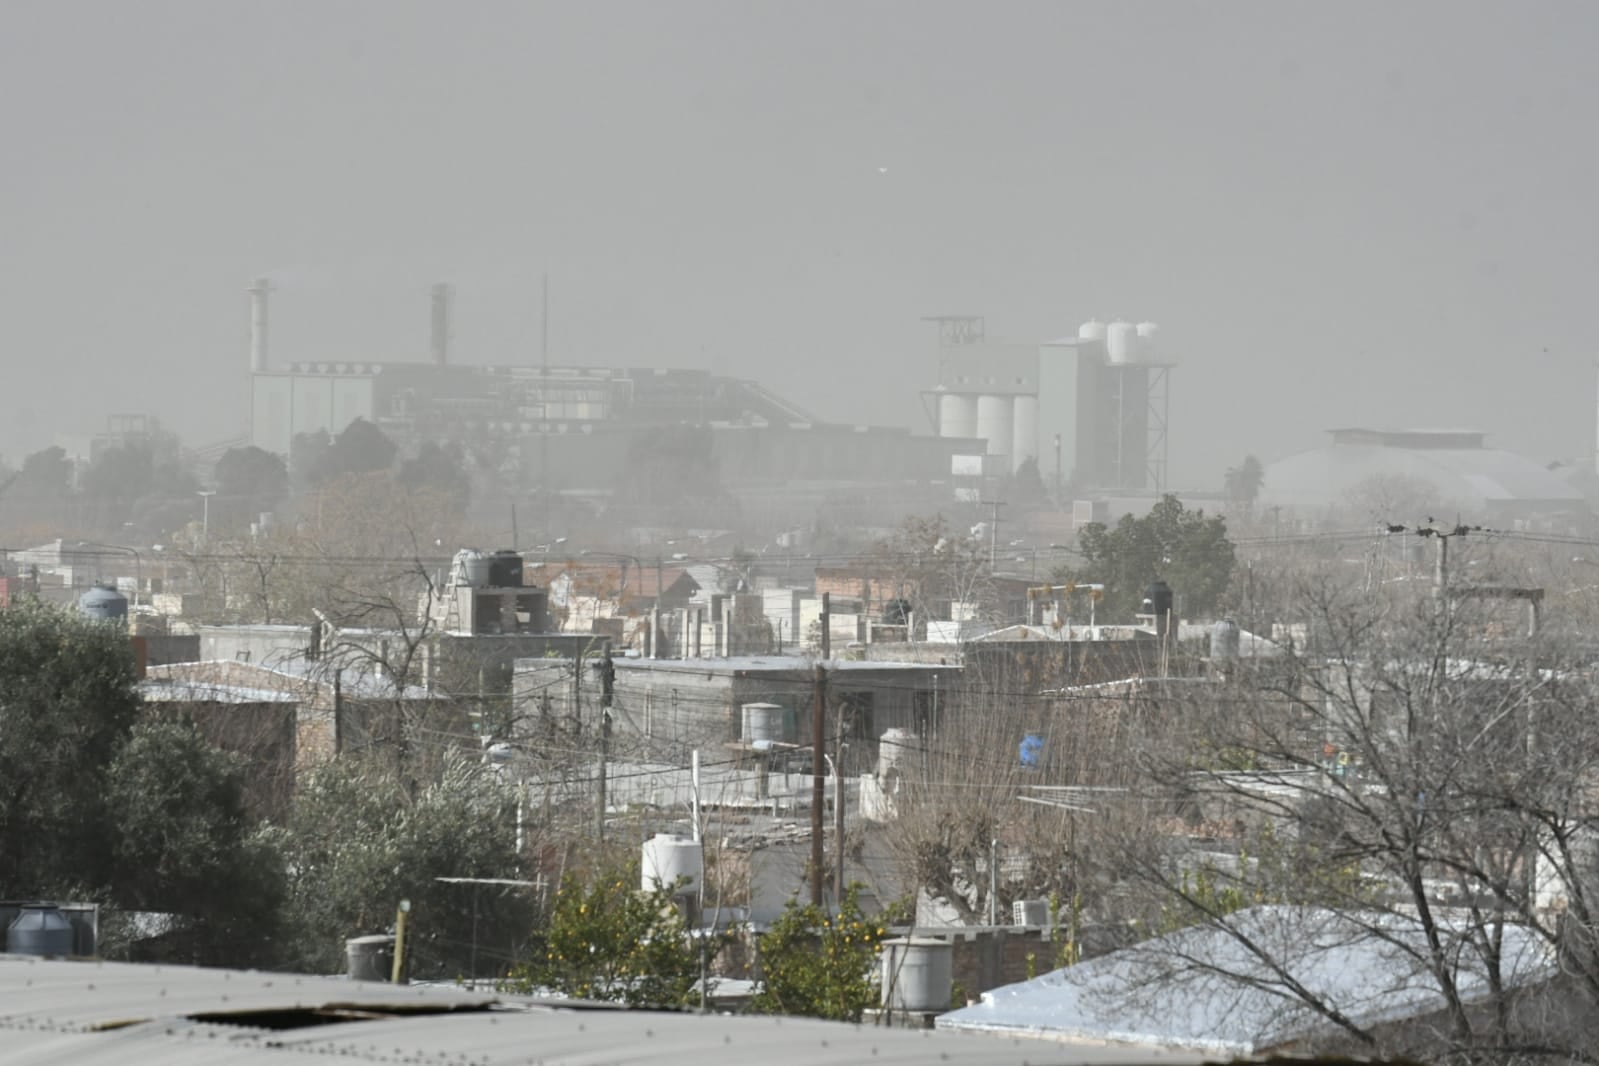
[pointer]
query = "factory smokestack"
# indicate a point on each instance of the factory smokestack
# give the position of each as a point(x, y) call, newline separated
point(258, 323)
point(439, 337)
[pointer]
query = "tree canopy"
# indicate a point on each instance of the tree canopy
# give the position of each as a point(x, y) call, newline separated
point(1188, 550)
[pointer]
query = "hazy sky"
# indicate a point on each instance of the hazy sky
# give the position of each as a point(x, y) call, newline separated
point(1339, 213)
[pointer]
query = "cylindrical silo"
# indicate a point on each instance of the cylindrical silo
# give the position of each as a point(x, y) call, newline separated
point(1148, 350)
point(1024, 430)
point(1121, 340)
point(994, 423)
point(1092, 330)
point(957, 415)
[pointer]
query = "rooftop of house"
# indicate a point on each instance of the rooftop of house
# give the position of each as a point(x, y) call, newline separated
point(1201, 989)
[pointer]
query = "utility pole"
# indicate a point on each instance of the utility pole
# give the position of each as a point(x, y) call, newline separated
point(607, 689)
point(838, 811)
point(818, 788)
point(993, 530)
point(827, 630)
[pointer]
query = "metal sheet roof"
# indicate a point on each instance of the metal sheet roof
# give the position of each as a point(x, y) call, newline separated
point(119, 1014)
point(1228, 1002)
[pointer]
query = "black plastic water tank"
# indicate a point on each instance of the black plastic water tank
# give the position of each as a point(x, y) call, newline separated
point(505, 570)
point(41, 929)
point(1158, 599)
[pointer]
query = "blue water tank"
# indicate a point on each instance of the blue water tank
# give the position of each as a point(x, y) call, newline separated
point(1031, 751)
point(103, 602)
point(41, 929)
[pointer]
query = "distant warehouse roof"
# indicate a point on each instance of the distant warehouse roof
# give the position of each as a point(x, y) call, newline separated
point(1454, 465)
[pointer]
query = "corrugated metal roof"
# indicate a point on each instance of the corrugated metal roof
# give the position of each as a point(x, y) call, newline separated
point(1157, 995)
point(126, 1015)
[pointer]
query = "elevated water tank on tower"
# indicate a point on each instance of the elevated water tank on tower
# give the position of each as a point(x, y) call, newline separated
point(763, 723)
point(1121, 341)
point(1024, 430)
point(670, 859)
point(994, 423)
point(1148, 350)
point(1092, 330)
point(103, 603)
point(957, 415)
point(41, 929)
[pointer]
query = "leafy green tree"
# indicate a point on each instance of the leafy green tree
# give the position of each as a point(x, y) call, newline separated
point(67, 706)
point(357, 842)
point(319, 458)
point(137, 815)
point(440, 468)
point(819, 965)
point(183, 846)
point(248, 481)
point(1188, 550)
point(608, 940)
point(45, 474)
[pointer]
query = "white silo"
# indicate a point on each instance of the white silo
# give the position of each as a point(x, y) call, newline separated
point(258, 323)
point(1121, 339)
point(994, 423)
point(1148, 343)
point(1024, 430)
point(957, 415)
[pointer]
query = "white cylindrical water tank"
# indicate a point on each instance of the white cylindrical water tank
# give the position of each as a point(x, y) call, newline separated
point(994, 423)
point(957, 415)
point(918, 974)
point(763, 722)
point(673, 862)
point(895, 750)
point(1024, 430)
point(1092, 330)
point(1148, 342)
point(1121, 339)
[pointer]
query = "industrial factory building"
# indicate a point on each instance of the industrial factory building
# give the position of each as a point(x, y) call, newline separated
point(1453, 467)
point(577, 427)
point(1089, 410)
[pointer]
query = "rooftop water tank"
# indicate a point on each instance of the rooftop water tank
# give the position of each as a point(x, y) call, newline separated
point(1121, 339)
point(1158, 599)
point(472, 569)
point(370, 958)
point(1225, 640)
point(895, 750)
point(1092, 330)
point(103, 602)
point(1148, 343)
point(918, 974)
point(670, 859)
point(763, 722)
point(41, 929)
point(505, 570)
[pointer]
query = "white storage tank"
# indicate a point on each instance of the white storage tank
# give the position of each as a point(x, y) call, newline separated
point(1121, 340)
point(1225, 640)
point(994, 423)
point(1148, 343)
point(918, 974)
point(669, 858)
point(1092, 330)
point(1024, 431)
point(472, 569)
point(897, 749)
point(957, 415)
point(763, 723)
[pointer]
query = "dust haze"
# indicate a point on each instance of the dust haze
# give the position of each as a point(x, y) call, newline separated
point(1339, 214)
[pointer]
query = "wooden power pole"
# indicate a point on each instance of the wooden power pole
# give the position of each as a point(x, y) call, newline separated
point(818, 786)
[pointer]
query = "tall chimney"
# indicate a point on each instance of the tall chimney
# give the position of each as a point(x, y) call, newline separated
point(258, 323)
point(439, 335)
